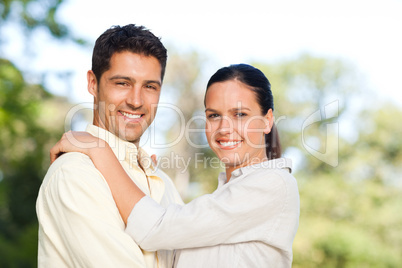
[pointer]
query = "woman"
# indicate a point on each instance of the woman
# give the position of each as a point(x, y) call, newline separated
point(252, 218)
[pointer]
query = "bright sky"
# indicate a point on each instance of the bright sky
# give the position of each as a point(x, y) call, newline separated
point(364, 33)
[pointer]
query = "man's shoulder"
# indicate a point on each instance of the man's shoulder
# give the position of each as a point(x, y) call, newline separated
point(74, 167)
point(73, 161)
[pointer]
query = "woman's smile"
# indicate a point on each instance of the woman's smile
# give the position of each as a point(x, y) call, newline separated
point(228, 144)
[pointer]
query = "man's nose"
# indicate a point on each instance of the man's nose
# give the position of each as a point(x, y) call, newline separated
point(135, 97)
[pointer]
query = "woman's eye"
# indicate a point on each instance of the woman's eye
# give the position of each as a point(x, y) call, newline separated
point(213, 115)
point(240, 114)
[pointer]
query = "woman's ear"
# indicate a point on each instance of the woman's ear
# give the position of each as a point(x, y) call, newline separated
point(269, 121)
point(92, 84)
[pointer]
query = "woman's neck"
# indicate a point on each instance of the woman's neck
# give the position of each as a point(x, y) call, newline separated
point(229, 171)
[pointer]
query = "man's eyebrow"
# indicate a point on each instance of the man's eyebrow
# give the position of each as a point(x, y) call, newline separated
point(115, 77)
point(120, 77)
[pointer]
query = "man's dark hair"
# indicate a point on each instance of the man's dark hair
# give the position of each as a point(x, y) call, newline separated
point(132, 38)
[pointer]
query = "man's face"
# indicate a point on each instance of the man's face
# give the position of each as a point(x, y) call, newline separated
point(127, 95)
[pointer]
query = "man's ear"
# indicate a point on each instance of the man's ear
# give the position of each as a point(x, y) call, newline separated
point(92, 83)
point(269, 120)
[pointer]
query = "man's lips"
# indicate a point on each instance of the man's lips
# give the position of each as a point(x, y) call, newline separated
point(130, 115)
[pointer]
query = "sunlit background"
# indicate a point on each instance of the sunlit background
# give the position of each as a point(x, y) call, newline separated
point(334, 67)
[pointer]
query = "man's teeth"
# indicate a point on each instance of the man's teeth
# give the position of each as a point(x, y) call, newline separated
point(229, 143)
point(132, 116)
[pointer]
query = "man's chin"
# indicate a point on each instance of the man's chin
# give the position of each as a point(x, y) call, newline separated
point(130, 138)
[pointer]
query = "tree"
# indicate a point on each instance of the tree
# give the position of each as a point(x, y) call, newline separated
point(349, 211)
point(31, 120)
point(31, 15)
point(303, 88)
point(181, 117)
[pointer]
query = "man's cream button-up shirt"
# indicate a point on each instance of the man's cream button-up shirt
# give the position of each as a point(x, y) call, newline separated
point(79, 223)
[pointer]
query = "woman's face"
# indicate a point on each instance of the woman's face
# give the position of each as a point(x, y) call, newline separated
point(235, 127)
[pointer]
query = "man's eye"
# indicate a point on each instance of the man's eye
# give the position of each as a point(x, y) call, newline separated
point(151, 87)
point(122, 83)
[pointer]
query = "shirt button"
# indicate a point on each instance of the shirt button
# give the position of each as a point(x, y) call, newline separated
point(130, 146)
point(236, 173)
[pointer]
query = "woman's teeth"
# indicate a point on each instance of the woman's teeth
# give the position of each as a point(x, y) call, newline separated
point(228, 143)
point(132, 116)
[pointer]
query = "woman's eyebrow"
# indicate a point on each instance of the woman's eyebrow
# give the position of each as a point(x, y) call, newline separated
point(239, 109)
point(236, 109)
point(210, 110)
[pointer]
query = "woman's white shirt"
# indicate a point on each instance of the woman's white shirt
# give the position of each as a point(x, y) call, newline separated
point(251, 221)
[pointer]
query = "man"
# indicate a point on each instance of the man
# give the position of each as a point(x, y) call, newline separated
point(79, 223)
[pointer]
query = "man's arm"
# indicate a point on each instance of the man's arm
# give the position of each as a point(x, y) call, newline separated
point(79, 219)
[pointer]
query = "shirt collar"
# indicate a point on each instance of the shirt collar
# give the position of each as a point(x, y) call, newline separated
point(279, 163)
point(222, 179)
point(124, 150)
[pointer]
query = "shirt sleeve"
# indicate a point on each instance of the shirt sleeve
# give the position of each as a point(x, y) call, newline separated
point(245, 210)
point(77, 214)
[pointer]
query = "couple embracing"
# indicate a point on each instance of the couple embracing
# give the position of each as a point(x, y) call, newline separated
point(103, 204)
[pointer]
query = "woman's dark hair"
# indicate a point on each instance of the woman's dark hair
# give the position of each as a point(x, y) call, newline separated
point(132, 38)
point(259, 84)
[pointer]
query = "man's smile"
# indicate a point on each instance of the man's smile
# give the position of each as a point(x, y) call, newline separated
point(130, 116)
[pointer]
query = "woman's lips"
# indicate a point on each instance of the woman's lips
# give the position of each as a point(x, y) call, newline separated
point(228, 144)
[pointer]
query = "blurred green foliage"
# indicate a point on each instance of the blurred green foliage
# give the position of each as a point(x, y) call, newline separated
point(350, 213)
point(29, 126)
point(30, 15)
point(184, 83)
point(31, 121)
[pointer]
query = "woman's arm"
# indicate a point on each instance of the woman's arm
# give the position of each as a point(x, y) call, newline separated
point(244, 210)
point(264, 207)
point(125, 193)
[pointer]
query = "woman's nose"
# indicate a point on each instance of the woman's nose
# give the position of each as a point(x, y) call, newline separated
point(226, 125)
